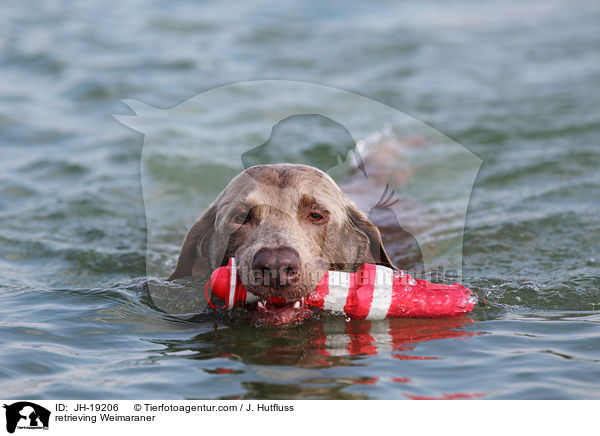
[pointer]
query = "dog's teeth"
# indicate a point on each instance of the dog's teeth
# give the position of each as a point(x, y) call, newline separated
point(296, 304)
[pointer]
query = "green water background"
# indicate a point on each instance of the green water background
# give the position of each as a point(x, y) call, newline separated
point(516, 83)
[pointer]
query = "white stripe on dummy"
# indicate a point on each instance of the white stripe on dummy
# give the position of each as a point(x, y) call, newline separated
point(232, 283)
point(338, 285)
point(382, 292)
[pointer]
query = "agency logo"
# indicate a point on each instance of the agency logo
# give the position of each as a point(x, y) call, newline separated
point(412, 182)
point(26, 415)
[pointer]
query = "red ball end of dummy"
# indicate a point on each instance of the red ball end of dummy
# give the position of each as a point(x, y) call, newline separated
point(220, 282)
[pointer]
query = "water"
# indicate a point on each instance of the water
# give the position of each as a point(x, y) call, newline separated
point(515, 84)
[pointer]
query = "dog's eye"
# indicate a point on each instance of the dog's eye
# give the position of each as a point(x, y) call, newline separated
point(241, 218)
point(316, 217)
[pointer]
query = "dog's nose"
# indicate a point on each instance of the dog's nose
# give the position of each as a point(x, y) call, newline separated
point(276, 267)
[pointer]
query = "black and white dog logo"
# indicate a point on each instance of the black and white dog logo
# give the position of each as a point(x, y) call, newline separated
point(26, 415)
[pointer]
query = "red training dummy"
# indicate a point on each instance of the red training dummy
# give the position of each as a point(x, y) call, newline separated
point(372, 292)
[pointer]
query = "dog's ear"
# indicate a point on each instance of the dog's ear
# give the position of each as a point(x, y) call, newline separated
point(193, 258)
point(376, 253)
